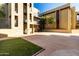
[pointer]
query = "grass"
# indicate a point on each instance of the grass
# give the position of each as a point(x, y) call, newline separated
point(17, 47)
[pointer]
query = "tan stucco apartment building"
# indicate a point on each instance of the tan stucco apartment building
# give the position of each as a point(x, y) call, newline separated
point(20, 18)
point(65, 18)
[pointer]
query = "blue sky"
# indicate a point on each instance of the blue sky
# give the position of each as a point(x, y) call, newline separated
point(42, 7)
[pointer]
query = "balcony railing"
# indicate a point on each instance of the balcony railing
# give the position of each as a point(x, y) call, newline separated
point(31, 22)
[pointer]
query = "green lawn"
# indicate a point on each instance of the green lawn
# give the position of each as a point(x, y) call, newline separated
point(17, 47)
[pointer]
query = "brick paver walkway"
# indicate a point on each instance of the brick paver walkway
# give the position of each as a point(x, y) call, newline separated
point(56, 45)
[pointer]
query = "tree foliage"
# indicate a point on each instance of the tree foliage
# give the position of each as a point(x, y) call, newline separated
point(42, 24)
point(2, 14)
point(51, 20)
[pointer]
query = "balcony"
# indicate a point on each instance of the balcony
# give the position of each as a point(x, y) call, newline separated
point(28, 30)
point(32, 22)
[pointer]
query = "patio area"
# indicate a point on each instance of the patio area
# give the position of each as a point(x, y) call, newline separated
point(56, 44)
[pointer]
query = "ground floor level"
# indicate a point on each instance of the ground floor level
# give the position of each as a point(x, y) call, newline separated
point(19, 33)
point(54, 44)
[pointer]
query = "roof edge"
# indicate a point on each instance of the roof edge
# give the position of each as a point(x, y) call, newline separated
point(57, 8)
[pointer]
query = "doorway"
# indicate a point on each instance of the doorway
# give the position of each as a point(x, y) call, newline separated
point(57, 19)
point(77, 22)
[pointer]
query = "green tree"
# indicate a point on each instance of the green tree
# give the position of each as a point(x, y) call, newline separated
point(42, 24)
point(2, 14)
point(51, 20)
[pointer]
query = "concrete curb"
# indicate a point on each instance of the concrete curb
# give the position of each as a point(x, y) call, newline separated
point(38, 52)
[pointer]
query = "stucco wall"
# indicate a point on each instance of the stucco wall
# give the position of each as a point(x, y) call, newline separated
point(11, 32)
point(73, 18)
point(63, 19)
point(15, 31)
point(53, 25)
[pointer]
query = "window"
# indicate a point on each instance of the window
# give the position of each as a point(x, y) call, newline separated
point(16, 7)
point(30, 5)
point(5, 21)
point(16, 21)
point(30, 16)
